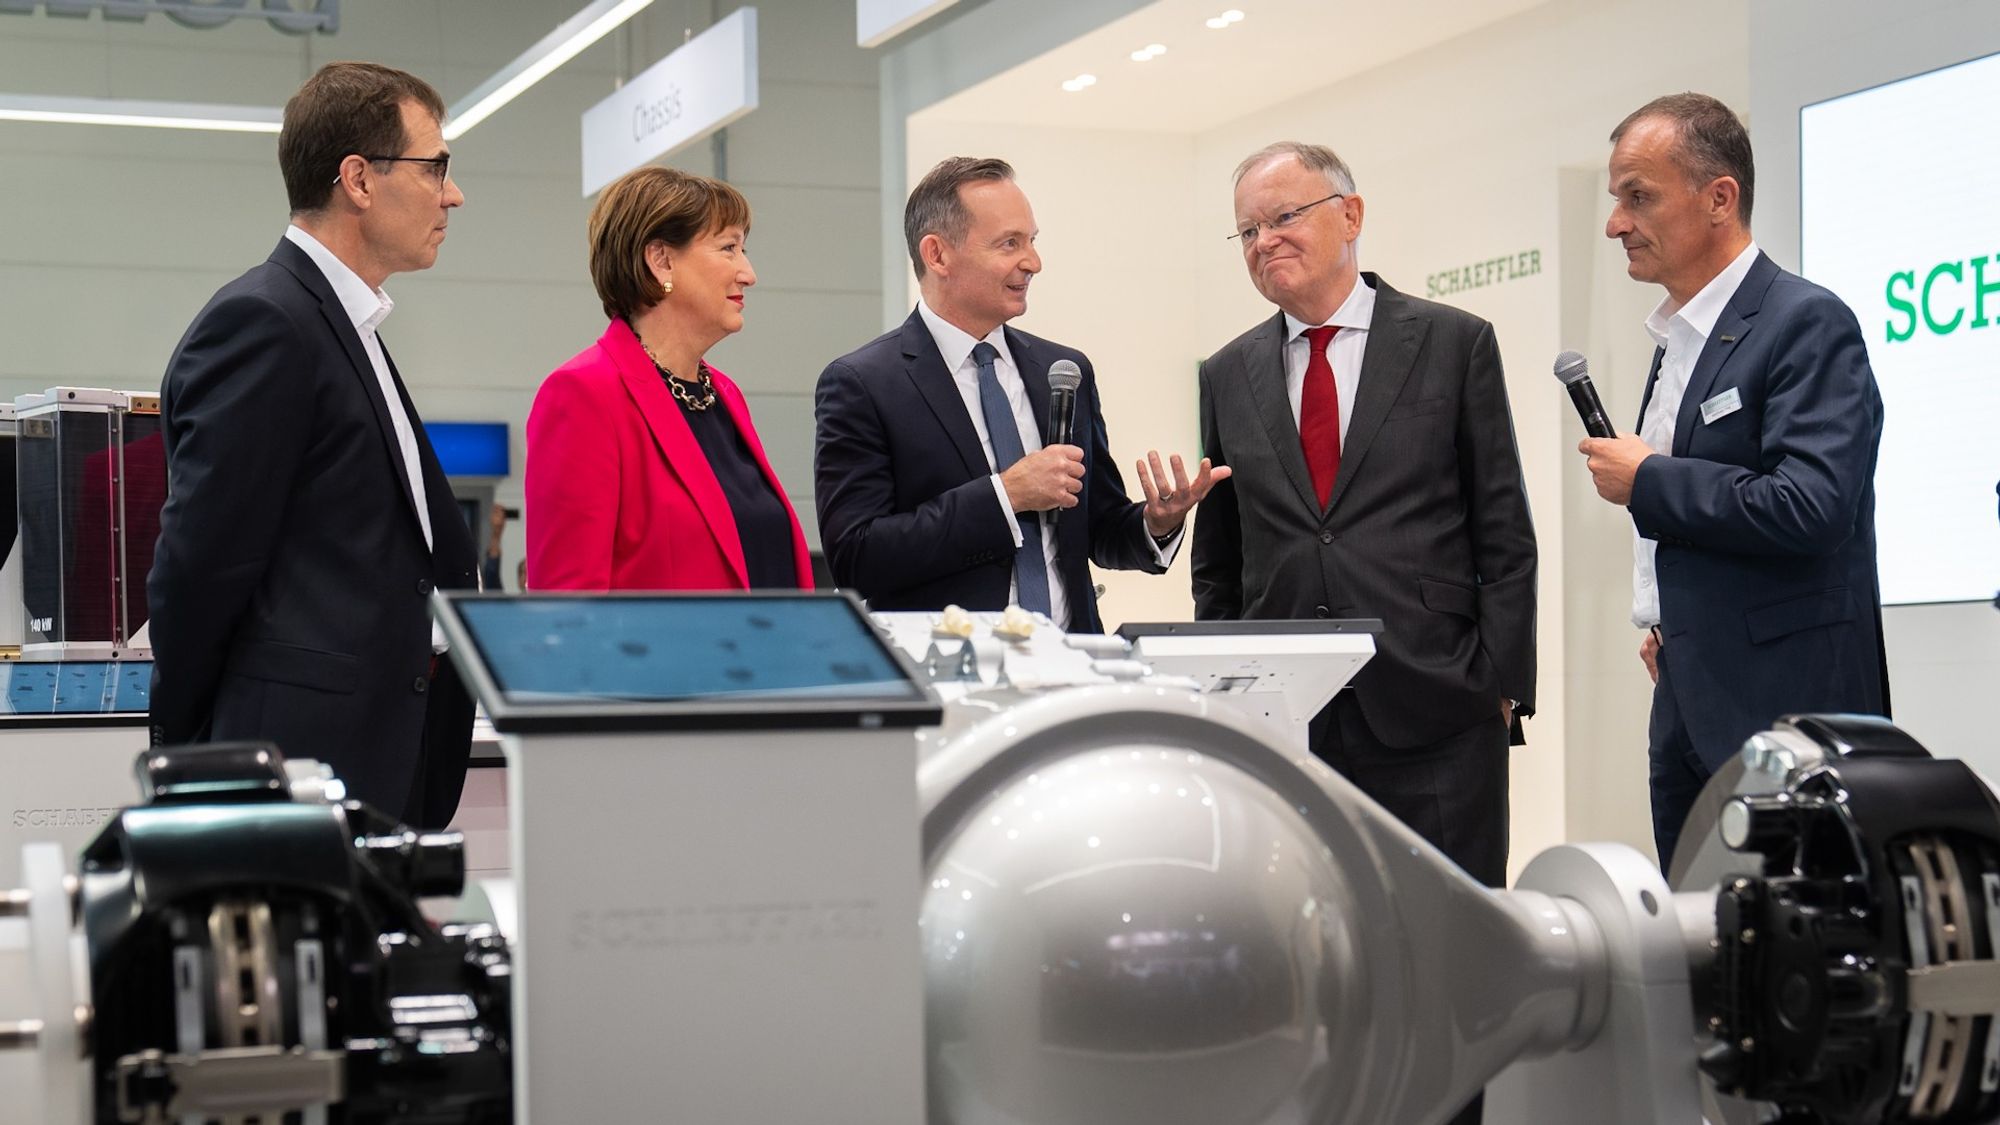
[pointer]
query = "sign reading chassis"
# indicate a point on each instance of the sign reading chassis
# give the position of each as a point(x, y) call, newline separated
point(300, 17)
point(707, 83)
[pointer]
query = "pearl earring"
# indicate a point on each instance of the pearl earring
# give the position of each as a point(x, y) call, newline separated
point(666, 286)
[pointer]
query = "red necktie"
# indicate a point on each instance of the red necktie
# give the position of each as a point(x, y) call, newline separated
point(1319, 414)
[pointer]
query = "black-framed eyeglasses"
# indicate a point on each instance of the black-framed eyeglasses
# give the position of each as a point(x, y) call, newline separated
point(440, 165)
point(1280, 221)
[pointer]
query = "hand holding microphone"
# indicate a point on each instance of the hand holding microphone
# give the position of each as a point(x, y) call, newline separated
point(1573, 372)
point(1613, 460)
point(1167, 501)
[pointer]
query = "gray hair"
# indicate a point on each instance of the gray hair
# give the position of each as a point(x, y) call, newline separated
point(1317, 158)
point(935, 208)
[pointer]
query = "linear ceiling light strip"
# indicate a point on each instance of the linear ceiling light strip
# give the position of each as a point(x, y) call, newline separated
point(594, 22)
point(141, 114)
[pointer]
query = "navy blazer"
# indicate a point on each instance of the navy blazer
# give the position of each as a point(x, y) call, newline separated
point(1765, 518)
point(907, 513)
point(290, 589)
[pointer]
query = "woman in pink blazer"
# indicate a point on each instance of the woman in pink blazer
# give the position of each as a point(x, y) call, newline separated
point(644, 472)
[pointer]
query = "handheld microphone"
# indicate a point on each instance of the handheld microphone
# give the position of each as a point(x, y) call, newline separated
point(1573, 371)
point(1064, 379)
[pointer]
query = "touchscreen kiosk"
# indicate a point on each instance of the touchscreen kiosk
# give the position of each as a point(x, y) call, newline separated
point(69, 733)
point(716, 852)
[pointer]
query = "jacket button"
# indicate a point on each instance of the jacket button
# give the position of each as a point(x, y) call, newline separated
point(424, 587)
point(1322, 611)
point(1326, 536)
point(422, 684)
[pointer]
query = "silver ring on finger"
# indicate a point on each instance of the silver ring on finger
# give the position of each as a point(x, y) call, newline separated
point(1166, 497)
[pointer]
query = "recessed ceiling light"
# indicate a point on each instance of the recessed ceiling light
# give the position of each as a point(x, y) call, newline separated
point(1149, 53)
point(1080, 82)
point(1233, 15)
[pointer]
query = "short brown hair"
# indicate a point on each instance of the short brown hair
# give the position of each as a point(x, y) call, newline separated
point(935, 208)
point(651, 205)
point(345, 109)
point(1712, 142)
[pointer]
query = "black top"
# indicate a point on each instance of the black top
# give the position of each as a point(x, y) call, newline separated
point(762, 522)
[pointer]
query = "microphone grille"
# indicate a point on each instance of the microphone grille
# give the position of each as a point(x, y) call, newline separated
point(1064, 375)
point(1571, 366)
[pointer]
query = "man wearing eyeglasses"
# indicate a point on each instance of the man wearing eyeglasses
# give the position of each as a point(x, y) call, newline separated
point(307, 520)
point(1374, 475)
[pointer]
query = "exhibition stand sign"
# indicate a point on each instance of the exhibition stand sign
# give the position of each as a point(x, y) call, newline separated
point(878, 21)
point(704, 86)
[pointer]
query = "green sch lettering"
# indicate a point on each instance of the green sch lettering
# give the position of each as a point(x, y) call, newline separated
point(1980, 288)
point(1901, 305)
point(1957, 272)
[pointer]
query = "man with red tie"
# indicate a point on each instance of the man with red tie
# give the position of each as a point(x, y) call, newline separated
point(1374, 474)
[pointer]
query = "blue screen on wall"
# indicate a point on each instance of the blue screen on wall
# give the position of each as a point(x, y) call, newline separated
point(470, 449)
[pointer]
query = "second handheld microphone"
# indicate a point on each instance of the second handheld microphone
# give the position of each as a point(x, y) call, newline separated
point(1573, 371)
point(1064, 379)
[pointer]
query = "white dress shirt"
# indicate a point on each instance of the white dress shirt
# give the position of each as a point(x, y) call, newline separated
point(1683, 332)
point(955, 345)
point(367, 308)
point(1344, 353)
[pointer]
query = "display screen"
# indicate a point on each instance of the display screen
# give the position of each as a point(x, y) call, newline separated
point(634, 649)
point(76, 687)
point(470, 449)
point(1898, 215)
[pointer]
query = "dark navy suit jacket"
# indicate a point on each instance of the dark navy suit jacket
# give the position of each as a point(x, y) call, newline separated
point(290, 589)
point(1765, 519)
point(907, 515)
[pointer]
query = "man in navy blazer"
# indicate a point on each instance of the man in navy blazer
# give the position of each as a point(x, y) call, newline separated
point(307, 520)
point(935, 479)
point(1751, 479)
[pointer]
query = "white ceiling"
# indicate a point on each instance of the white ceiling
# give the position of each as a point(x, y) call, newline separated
point(1279, 50)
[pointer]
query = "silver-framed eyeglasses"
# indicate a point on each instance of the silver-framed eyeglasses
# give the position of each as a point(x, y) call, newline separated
point(1279, 221)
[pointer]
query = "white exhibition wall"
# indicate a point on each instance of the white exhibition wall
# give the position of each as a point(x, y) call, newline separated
point(1465, 152)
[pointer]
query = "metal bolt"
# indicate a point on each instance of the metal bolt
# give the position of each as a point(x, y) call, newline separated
point(1748, 937)
point(1767, 756)
point(1715, 1023)
point(20, 1035)
point(1740, 885)
point(1748, 1044)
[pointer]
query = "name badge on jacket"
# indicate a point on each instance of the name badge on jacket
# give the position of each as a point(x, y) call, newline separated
point(1721, 406)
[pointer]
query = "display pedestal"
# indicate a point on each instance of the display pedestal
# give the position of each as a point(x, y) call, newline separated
point(1282, 671)
point(717, 887)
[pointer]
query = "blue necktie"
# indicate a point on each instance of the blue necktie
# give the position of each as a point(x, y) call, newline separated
point(1031, 575)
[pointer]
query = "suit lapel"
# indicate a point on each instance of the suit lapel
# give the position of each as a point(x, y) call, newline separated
point(1035, 378)
point(1265, 378)
point(676, 442)
point(1394, 338)
point(1730, 328)
point(933, 383)
point(1652, 380)
point(301, 266)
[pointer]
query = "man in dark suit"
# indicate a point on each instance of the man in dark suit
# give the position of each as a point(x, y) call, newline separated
point(1375, 476)
point(932, 468)
point(307, 520)
point(1751, 480)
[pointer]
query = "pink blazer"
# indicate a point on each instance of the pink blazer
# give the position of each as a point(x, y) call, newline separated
point(620, 495)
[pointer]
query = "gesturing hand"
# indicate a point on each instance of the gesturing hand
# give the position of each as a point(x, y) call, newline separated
point(1167, 504)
